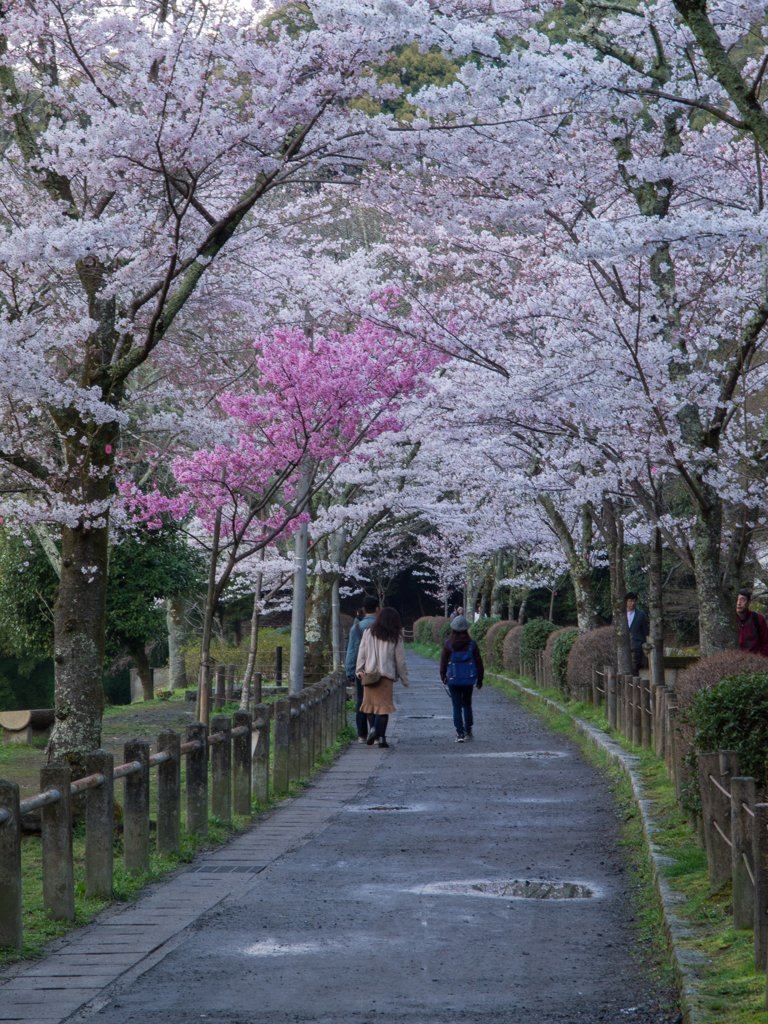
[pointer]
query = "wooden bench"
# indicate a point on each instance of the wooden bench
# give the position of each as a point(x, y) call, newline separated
point(24, 726)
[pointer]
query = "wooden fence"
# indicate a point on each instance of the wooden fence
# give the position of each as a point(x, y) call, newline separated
point(230, 764)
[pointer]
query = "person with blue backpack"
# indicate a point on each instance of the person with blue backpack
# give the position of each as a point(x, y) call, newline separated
point(461, 669)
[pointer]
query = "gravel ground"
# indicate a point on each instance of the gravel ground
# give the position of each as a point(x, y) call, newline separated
point(368, 921)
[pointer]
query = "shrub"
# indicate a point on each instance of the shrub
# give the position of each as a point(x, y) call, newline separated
point(510, 651)
point(494, 642)
point(534, 638)
point(549, 647)
point(561, 649)
point(445, 631)
point(422, 630)
point(733, 715)
point(437, 624)
point(479, 629)
point(705, 674)
point(597, 647)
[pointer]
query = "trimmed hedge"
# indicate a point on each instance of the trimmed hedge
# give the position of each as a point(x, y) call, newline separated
point(422, 630)
point(445, 631)
point(704, 675)
point(733, 715)
point(534, 638)
point(437, 624)
point(479, 629)
point(549, 649)
point(597, 647)
point(510, 651)
point(494, 642)
point(561, 650)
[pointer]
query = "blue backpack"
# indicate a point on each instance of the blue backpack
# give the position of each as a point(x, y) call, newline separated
point(462, 670)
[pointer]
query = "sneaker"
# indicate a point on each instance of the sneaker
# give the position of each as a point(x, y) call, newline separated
point(469, 734)
point(459, 737)
point(371, 738)
point(383, 742)
point(361, 739)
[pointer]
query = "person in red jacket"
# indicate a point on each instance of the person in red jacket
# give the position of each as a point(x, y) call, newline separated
point(753, 629)
point(461, 669)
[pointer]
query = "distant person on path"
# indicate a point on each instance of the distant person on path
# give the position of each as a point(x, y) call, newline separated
point(753, 629)
point(370, 608)
point(461, 667)
point(381, 652)
point(638, 632)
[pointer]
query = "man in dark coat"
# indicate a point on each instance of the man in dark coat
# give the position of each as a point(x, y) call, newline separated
point(753, 630)
point(638, 632)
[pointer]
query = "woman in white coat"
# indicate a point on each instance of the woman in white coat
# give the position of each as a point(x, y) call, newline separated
point(381, 651)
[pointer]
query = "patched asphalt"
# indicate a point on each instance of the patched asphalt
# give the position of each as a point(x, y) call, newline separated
point(391, 911)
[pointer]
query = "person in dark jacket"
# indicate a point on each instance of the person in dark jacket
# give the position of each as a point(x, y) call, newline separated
point(461, 669)
point(638, 632)
point(362, 721)
point(753, 630)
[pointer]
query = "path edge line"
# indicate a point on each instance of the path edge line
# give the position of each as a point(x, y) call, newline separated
point(668, 899)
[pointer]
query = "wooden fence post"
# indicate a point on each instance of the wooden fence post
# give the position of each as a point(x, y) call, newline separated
point(58, 865)
point(220, 689)
point(715, 772)
point(637, 711)
point(230, 688)
point(197, 780)
point(169, 794)
point(136, 809)
point(260, 753)
point(281, 738)
point(610, 695)
point(100, 825)
point(241, 763)
point(10, 866)
point(221, 768)
point(657, 706)
point(646, 715)
point(760, 855)
point(742, 801)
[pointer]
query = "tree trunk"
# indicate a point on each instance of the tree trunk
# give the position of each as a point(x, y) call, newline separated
point(336, 625)
point(177, 669)
point(203, 709)
point(318, 636)
point(245, 696)
point(656, 607)
point(139, 655)
point(521, 610)
point(496, 595)
point(578, 559)
point(79, 622)
point(717, 619)
point(614, 541)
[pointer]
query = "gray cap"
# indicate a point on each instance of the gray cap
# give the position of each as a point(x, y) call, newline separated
point(460, 624)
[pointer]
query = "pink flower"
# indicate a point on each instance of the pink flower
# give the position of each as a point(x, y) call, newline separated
point(108, 449)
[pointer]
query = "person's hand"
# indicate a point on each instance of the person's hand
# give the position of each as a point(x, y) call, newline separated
point(479, 686)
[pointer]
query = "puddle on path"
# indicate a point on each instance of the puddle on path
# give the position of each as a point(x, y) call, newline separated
point(386, 807)
point(523, 753)
point(511, 889)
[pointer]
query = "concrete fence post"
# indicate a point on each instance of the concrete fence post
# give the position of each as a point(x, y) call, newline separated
point(343, 703)
point(673, 744)
point(595, 688)
point(742, 797)
point(669, 695)
point(281, 738)
point(278, 666)
point(294, 739)
point(169, 794)
point(136, 809)
point(10, 866)
point(619, 702)
point(657, 701)
point(221, 768)
point(327, 741)
point(241, 763)
point(760, 855)
point(637, 711)
point(317, 738)
point(646, 716)
point(260, 753)
point(610, 695)
point(58, 866)
point(230, 688)
point(197, 780)
point(307, 728)
point(100, 825)
point(256, 688)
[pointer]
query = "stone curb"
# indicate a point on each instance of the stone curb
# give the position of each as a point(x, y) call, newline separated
point(683, 960)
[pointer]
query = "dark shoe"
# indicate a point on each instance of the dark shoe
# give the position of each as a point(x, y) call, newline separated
point(459, 737)
point(383, 742)
point(371, 738)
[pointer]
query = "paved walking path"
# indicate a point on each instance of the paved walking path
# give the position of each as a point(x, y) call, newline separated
point(337, 911)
